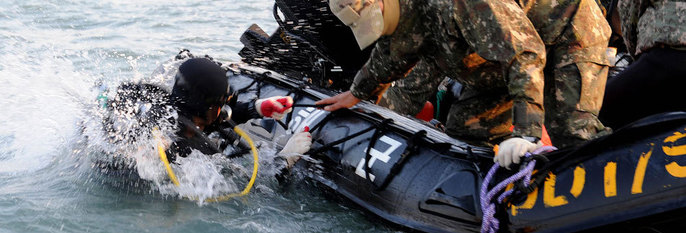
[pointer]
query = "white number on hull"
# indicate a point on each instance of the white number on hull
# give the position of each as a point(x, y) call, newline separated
point(377, 155)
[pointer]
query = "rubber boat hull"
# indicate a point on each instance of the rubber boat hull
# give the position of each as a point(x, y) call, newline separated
point(435, 189)
point(633, 174)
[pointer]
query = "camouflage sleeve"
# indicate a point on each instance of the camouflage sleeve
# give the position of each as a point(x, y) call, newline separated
point(499, 31)
point(630, 12)
point(407, 96)
point(384, 66)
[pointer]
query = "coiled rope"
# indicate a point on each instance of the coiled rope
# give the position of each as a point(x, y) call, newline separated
point(489, 223)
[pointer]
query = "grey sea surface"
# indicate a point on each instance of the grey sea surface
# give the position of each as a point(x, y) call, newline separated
point(53, 57)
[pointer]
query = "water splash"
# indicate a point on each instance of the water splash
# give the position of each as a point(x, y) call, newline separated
point(119, 137)
point(55, 55)
point(41, 103)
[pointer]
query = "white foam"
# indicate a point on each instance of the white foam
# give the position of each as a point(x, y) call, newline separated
point(41, 97)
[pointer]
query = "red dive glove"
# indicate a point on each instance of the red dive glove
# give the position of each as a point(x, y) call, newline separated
point(275, 107)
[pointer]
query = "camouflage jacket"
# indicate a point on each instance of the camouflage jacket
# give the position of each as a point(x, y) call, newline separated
point(650, 23)
point(484, 43)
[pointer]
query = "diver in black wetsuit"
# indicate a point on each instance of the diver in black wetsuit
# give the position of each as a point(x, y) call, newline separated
point(200, 103)
point(200, 91)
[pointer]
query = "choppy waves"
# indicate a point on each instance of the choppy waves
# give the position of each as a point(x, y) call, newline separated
point(54, 58)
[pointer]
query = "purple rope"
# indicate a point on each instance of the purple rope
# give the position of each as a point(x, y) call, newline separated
point(490, 224)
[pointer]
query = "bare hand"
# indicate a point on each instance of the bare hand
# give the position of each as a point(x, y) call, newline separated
point(343, 100)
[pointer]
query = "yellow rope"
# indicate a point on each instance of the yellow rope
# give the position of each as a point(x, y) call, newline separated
point(170, 172)
point(163, 157)
point(254, 170)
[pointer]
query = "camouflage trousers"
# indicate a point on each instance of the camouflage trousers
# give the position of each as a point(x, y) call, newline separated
point(573, 97)
point(574, 87)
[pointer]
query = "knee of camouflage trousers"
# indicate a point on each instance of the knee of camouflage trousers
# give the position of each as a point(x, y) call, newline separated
point(574, 94)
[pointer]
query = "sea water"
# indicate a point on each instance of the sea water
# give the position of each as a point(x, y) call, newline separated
point(56, 57)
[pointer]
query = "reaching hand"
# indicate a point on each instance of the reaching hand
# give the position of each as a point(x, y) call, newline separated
point(343, 100)
point(275, 107)
point(511, 150)
point(297, 145)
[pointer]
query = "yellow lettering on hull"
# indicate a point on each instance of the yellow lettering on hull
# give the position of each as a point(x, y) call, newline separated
point(579, 181)
point(639, 174)
point(610, 179)
point(527, 205)
point(674, 168)
point(669, 147)
point(549, 198)
point(674, 150)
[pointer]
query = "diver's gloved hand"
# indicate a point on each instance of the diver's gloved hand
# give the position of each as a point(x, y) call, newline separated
point(275, 107)
point(297, 145)
point(513, 149)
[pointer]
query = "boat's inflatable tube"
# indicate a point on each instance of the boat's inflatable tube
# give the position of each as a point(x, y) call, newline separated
point(411, 174)
point(636, 174)
point(400, 169)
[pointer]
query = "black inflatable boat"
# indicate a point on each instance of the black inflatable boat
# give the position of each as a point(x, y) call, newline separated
point(412, 174)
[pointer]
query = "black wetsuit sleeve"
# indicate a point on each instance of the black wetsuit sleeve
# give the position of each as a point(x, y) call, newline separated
point(179, 148)
point(244, 111)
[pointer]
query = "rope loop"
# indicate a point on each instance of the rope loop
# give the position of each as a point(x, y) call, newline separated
point(489, 223)
point(246, 190)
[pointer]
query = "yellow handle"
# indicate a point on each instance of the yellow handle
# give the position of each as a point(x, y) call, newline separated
point(170, 172)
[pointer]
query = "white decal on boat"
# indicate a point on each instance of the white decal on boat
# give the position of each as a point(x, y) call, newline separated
point(377, 155)
point(305, 118)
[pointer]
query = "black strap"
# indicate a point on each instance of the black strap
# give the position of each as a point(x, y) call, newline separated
point(342, 140)
point(298, 95)
point(347, 138)
point(257, 80)
point(326, 119)
point(537, 179)
point(410, 150)
point(259, 89)
point(380, 129)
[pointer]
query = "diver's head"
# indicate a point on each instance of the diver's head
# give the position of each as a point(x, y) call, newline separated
point(368, 19)
point(201, 88)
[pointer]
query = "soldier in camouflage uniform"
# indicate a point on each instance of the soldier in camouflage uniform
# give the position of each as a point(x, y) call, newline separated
point(576, 35)
point(489, 45)
point(654, 32)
